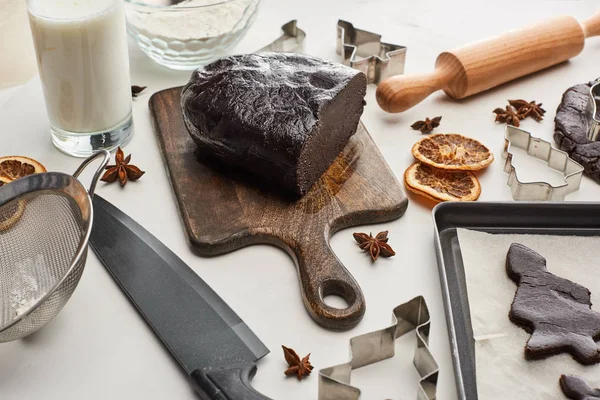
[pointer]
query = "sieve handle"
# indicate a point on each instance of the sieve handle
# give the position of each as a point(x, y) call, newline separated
point(106, 157)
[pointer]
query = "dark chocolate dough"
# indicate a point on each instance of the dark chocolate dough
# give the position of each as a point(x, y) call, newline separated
point(571, 126)
point(556, 311)
point(576, 388)
point(282, 117)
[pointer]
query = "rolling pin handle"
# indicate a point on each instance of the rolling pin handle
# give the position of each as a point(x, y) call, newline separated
point(399, 93)
point(591, 26)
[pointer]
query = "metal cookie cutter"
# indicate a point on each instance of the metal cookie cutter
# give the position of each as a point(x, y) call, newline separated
point(593, 111)
point(291, 39)
point(543, 150)
point(364, 51)
point(334, 382)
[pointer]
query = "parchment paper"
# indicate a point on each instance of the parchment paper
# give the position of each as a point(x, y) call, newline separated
point(502, 370)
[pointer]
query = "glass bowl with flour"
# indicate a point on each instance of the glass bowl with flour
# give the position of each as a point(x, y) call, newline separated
point(187, 34)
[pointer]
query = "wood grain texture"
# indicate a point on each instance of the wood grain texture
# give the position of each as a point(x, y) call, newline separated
point(224, 210)
point(486, 64)
point(591, 26)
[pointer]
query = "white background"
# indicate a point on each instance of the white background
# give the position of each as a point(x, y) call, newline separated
point(99, 348)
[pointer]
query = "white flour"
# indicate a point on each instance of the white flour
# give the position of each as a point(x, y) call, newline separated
point(199, 24)
point(24, 305)
point(27, 290)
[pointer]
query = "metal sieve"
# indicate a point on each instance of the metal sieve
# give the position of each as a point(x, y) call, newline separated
point(45, 223)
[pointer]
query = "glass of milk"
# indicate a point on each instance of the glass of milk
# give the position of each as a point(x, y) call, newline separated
point(81, 49)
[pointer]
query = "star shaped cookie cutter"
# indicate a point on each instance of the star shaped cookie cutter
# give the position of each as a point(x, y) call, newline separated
point(334, 382)
point(542, 150)
point(364, 51)
point(593, 111)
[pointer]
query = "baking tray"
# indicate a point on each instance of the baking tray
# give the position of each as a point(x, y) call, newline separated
point(548, 218)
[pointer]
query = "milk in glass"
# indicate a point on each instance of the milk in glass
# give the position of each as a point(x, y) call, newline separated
point(81, 50)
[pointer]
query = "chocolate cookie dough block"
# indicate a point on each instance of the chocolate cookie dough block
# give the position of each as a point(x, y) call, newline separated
point(556, 311)
point(282, 117)
point(576, 388)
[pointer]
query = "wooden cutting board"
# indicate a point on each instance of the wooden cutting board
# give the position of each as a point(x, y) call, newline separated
point(223, 210)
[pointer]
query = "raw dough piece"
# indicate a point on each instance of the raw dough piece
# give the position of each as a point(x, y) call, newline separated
point(571, 127)
point(501, 365)
point(576, 388)
point(556, 311)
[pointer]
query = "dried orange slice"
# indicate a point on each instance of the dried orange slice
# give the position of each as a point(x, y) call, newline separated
point(441, 185)
point(453, 152)
point(15, 167)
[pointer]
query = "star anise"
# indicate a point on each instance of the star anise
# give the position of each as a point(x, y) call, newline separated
point(122, 170)
point(508, 115)
point(426, 126)
point(376, 246)
point(135, 90)
point(297, 366)
point(531, 109)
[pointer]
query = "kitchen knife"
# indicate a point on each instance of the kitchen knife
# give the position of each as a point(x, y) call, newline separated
point(212, 344)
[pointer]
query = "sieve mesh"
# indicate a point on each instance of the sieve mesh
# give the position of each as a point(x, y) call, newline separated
point(40, 234)
point(45, 222)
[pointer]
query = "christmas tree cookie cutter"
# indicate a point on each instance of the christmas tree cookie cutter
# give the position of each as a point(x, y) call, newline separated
point(593, 111)
point(542, 150)
point(364, 51)
point(334, 382)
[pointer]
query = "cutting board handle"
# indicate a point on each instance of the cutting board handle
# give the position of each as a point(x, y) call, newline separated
point(322, 274)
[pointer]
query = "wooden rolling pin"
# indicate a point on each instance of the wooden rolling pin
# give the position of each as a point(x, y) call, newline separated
point(483, 65)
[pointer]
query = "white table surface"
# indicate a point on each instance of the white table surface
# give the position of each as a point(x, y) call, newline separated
point(98, 347)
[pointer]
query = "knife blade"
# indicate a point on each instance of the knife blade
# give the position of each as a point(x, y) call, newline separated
point(212, 344)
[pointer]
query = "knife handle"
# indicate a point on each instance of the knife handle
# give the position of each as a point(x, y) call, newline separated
point(226, 383)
